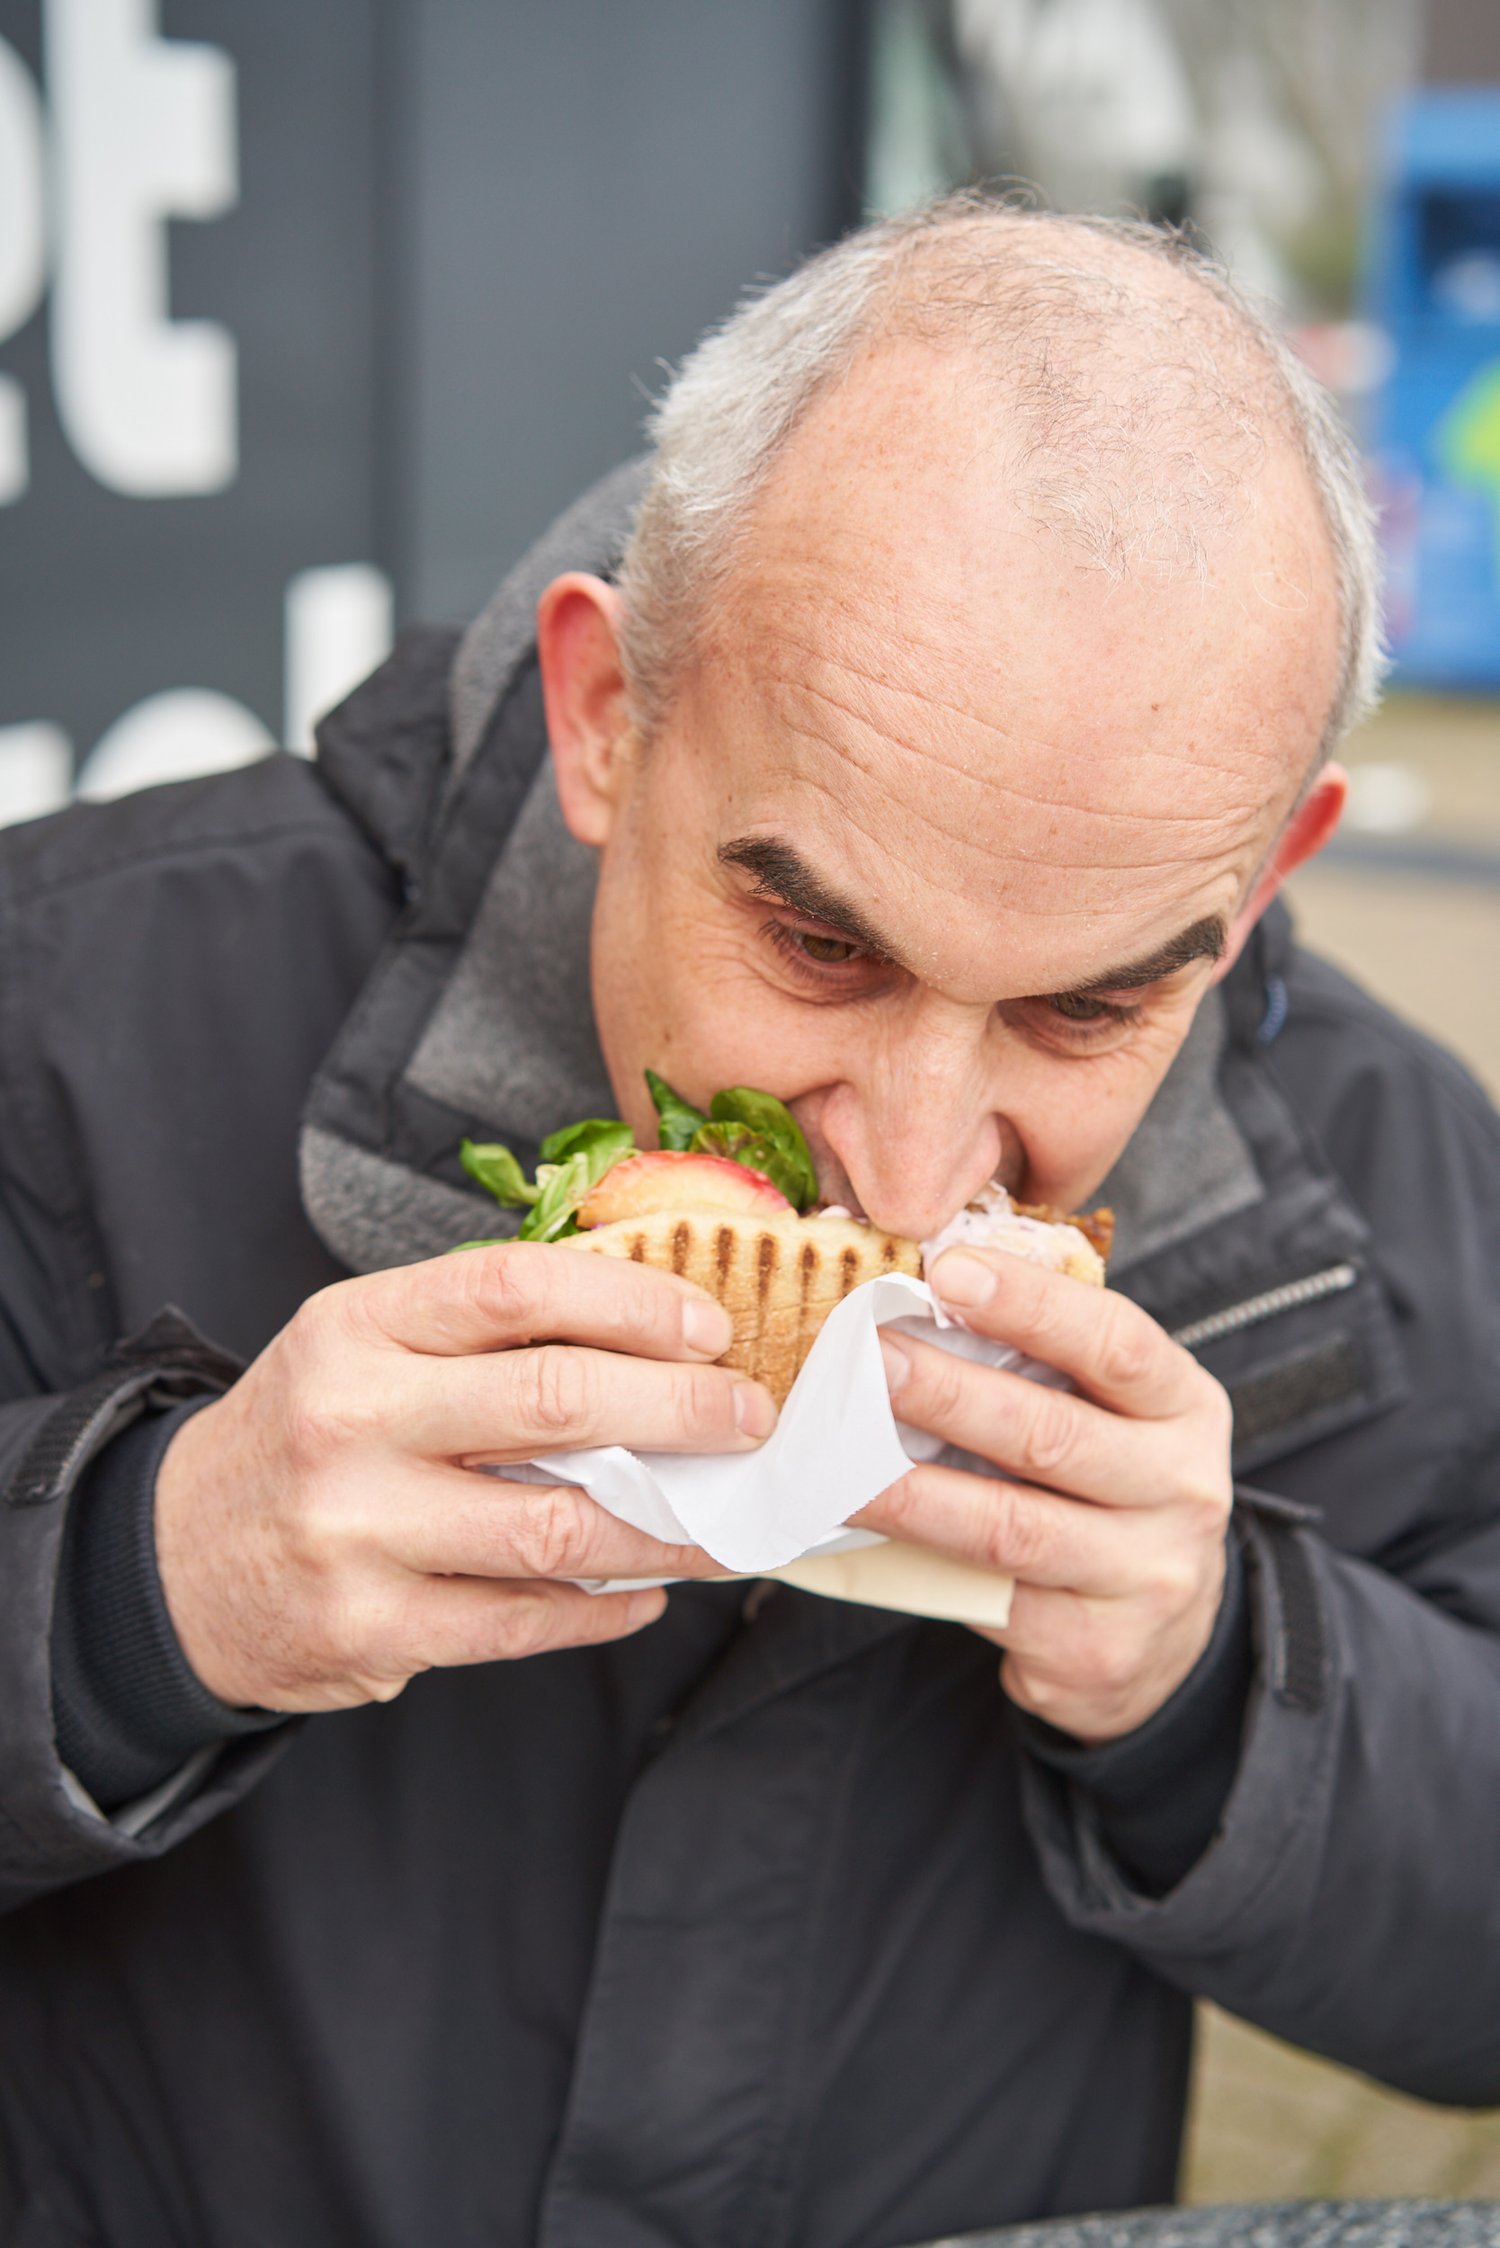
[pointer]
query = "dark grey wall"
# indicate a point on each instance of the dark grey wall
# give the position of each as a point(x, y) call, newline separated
point(465, 232)
point(106, 597)
point(578, 188)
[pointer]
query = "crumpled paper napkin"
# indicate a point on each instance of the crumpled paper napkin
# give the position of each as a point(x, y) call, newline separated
point(779, 1511)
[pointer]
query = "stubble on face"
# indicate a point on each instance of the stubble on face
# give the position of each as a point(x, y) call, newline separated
point(1024, 772)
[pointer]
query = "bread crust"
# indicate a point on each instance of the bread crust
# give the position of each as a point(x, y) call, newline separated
point(778, 1278)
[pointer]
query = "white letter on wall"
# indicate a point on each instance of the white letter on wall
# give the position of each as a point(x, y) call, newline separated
point(22, 247)
point(36, 765)
point(175, 736)
point(144, 130)
point(338, 628)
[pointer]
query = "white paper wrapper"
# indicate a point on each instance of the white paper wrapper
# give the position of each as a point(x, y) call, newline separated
point(779, 1511)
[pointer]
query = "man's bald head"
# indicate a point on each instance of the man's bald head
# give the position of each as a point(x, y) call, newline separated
point(1125, 398)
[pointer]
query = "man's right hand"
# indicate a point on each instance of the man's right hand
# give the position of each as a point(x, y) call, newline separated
point(320, 1531)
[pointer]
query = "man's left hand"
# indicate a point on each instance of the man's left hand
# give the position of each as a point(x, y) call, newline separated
point(1114, 1527)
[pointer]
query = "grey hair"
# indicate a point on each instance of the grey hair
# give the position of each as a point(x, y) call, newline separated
point(1136, 477)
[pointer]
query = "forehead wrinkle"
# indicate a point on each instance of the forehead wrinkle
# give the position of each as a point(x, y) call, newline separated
point(991, 777)
point(932, 651)
point(995, 873)
point(1150, 844)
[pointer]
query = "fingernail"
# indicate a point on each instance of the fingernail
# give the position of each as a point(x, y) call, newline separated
point(961, 1279)
point(706, 1326)
point(897, 1364)
point(754, 1410)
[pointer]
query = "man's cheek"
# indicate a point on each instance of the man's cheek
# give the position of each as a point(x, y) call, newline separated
point(1081, 1118)
point(701, 1016)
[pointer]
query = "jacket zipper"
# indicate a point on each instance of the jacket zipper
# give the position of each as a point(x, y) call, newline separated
point(1332, 1281)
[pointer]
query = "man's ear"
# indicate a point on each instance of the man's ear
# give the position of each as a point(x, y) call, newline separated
point(578, 650)
point(1305, 833)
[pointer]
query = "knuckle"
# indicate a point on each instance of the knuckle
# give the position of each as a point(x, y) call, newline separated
point(323, 1402)
point(1032, 1689)
point(510, 1287)
point(311, 1434)
point(324, 1419)
point(555, 1536)
point(901, 1505)
point(1050, 1434)
point(1042, 1305)
point(646, 1299)
point(1210, 1506)
point(1108, 1663)
point(1015, 1537)
point(364, 1634)
point(705, 1401)
point(558, 1390)
point(524, 1623)
point(1175, 1584)
point(942, 1383)
point(1127, 1346)
point(1218, 1414)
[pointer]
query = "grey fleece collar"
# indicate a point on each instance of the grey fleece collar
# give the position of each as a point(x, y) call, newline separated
point(595, 527)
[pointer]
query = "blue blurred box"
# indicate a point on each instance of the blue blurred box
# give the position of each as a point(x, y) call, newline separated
point(1433, 286)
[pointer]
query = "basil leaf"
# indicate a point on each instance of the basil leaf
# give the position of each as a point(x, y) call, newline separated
point(497, 1171)
point(679, 1119)
point(773, 1125)
point(740, 1145)
point(564, 1185)
point(730, 1140)
point(594, 1131)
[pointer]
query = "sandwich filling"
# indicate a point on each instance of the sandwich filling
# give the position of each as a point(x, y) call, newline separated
point(728, 1199)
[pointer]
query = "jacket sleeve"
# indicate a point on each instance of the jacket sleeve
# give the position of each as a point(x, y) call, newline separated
point(1351, 1899)
point(51, 1833)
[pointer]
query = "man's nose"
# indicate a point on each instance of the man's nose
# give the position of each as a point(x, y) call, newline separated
point(917, 1144)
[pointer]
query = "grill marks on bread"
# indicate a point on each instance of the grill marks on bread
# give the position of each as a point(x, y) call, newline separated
point(777, 1278)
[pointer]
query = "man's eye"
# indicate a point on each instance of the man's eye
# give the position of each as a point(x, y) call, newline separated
point(830, 951)
point(1077, 1007)
point(804, 947)
point(1076, 1019)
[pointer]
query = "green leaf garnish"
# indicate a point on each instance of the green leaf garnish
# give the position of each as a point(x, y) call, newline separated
point(573, 1160)
point(740, 1145)
point(747, 1126)
point(679, 1120)
point(498, 1172)
point(590, 1149)
point(594, 1131)
point(773, 1128)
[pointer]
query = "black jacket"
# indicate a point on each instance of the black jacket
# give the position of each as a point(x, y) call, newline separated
point(758, 1928)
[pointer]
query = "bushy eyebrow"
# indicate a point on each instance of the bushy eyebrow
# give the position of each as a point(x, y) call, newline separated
point(1205, 940)
point(784, 876)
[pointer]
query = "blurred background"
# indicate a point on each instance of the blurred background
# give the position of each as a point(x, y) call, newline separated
point(311, 317)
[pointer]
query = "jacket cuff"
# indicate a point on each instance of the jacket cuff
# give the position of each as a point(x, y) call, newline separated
point(129, 1709)
point(1287, 1742)
point(50, 1834)
point(1159, 1792)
